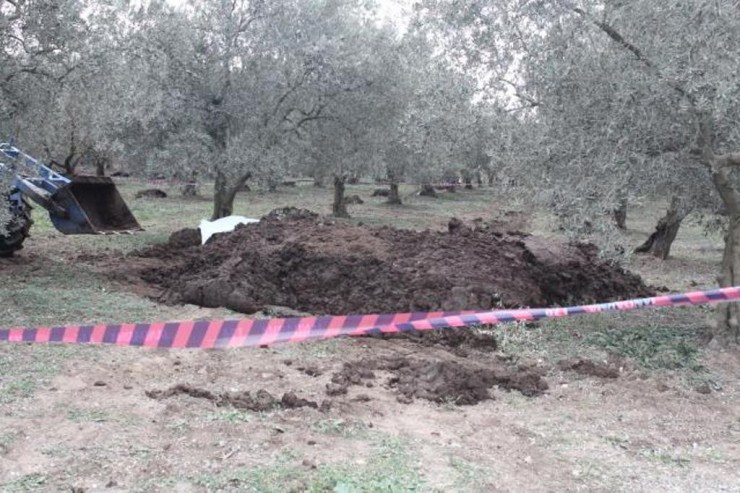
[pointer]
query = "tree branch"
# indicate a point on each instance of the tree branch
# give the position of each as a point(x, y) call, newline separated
point(617, 37)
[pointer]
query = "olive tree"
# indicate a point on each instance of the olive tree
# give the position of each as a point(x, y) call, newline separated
point(231, 85)
point(668, 122)
point(39, 42)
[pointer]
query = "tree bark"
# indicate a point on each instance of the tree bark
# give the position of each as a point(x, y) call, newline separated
point(620, 214)
point(467, 179)
point(727, 329)
point(224, 194)
point(660, 241)
point(394, 198)
point(339, 208)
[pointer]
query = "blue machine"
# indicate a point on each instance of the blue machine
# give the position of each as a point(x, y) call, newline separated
point(82, 205)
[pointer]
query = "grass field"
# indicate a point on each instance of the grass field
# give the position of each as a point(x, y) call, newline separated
point(78, 417)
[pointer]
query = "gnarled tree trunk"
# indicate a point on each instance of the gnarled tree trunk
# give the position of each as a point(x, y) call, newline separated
point(394, 197)
point(428, 190)
point(727, 329)
point(339, 208)
point(467, 179)
point(620, 214)
point(660, 241)
point(224, 194)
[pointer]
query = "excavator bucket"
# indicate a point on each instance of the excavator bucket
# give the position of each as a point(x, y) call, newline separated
point(92, 205)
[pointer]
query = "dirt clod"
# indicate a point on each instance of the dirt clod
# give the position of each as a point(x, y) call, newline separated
point(311, 370)
point(258, 401)
point(704, 388)
point(151, 193)
point(184, 238)
point(588, 367)
point(353, 200)
point(439, 381)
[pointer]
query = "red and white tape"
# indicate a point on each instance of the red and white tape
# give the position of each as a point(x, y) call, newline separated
point(264, 332)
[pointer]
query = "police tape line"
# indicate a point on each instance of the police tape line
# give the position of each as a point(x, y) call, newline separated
point(265, 332)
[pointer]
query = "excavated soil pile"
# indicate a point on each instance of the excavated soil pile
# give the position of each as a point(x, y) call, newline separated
point(438, 380)
point(295, 258)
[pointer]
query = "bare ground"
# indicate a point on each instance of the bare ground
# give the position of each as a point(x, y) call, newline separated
point(80, 418)
point(94, 425)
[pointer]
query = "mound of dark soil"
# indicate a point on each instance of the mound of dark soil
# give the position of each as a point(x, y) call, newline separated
point(297, 259)
point(441, 381)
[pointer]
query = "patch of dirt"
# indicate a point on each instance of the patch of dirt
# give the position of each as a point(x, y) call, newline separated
point(441, 381)
point(184, 238)
point(460, 341)
point(587, 367)
point(353, 200)
point(258, 401)
point(151, 193)
point(295, 258)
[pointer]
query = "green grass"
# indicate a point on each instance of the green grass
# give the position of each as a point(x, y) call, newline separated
point(388, 468)
point(470, 475)
point(26, 368)
point(29, 482)
point(64, 294)
point(341, 427)
point(652, 339)
point(88, 415)
point(657, 347)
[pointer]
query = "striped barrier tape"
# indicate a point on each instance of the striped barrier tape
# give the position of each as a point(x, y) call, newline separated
point(264, 332)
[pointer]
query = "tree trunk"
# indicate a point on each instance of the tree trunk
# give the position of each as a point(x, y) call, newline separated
point(190, 189)
point(727, 329)
point(394, 198)
point(659, 243)
point(479, 178)
point(467, 177)
point(224, 195)
point(339, 208)
point(620, 215)
point(100, 167)
point(428, 190)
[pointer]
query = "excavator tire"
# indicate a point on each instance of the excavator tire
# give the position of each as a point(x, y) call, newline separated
point(16, 232)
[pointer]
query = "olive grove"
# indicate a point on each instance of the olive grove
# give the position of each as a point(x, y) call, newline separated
point(616, 100)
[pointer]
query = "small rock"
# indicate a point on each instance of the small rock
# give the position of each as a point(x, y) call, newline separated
point(100, 383)
point(309, 463)
point(362, 398)
point(704, 388)
point(335, 389)
point(325, 406)
point(111, 484)
point(287, 362)
point(311, 442)
point(662, 387)
point(404, 399)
